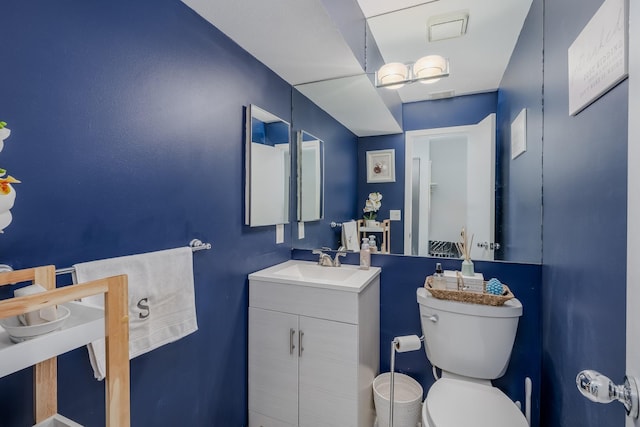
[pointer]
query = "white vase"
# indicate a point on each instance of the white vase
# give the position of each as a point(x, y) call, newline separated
point(5, 220)
point(467, 268)
point(371, 223)
point(4, 134)
point(6, 203)
point(7, 200)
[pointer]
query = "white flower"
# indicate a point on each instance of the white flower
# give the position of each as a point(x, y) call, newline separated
point(4, 133)
point(375, 197)
point(372, 205)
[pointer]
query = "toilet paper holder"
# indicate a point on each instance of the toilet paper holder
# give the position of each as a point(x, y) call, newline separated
point(400, 345)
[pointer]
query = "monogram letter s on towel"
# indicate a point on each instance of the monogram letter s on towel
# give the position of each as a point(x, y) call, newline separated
point(143, 304)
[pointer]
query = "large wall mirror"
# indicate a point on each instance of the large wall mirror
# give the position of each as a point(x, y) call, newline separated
point(516, 195)
point(268, 168)
point(310, 168)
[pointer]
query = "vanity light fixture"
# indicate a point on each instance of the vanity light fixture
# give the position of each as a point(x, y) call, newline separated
point(428, 69)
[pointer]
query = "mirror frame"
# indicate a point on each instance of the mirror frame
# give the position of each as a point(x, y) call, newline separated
point(299, 170)
point(253, 111)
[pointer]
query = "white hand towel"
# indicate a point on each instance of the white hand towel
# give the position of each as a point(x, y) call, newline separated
point(350, 236)
point(161, 299)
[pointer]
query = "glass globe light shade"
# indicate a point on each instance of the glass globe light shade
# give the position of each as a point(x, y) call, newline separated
point(428, 67)
point(391, 73)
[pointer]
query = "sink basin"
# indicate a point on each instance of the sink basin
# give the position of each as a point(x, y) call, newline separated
point(308, 273)
point(316, 272)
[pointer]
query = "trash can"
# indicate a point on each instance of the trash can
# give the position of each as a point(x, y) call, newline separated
point(407, 400)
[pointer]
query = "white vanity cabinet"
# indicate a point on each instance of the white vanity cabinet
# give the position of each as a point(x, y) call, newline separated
point(313, 348)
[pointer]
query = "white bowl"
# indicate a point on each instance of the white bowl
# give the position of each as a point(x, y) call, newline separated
point(19, 332)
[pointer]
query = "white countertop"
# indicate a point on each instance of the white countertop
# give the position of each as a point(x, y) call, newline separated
point(349, 278)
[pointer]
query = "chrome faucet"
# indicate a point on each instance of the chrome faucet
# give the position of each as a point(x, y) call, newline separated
point(336, 260)
point(325, 259)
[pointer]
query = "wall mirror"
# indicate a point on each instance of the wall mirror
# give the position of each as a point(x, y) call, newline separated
point(268, 168)
point(310, 162)
point(517, 193)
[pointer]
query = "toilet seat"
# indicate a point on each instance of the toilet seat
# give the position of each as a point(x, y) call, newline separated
point(455, 403)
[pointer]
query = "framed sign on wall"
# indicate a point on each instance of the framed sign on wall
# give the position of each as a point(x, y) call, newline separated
point(598, 58)
point(381, 166)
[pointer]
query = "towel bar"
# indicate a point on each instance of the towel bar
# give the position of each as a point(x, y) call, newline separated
point(196, 245)
point(334, 224)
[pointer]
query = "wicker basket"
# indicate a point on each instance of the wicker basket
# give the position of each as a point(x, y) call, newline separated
point(470, 297)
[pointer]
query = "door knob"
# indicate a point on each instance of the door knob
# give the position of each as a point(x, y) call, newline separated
point(599, 388)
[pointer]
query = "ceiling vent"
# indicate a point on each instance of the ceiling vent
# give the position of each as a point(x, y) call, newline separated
point(449, 26)
point(442, 95)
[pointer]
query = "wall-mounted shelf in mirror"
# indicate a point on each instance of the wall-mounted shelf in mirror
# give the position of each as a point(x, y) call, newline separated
point(267, 168)
point(310, 155)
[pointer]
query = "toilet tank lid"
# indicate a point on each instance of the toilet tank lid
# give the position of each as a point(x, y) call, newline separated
point(511, 308)
point(452, 402)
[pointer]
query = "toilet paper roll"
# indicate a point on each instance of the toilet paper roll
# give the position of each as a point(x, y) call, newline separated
point(407, 343)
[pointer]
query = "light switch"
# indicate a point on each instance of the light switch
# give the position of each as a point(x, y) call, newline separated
point(301, 230)
point(279, 233)
point(395, 215)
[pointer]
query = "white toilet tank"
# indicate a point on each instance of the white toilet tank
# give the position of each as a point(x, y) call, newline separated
point(472, 340)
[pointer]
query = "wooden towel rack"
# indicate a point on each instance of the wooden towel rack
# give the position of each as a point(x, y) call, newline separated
point(116, 331)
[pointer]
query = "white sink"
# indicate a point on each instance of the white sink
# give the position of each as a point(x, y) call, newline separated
point(309, 273)
point(316, 272)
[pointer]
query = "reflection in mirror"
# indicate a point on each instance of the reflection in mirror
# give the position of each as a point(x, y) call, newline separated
point(450, 179)
point(268, 168)
point(517, 194)
point(310, 157)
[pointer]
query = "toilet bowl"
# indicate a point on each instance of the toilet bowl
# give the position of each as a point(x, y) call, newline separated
point(452, 402)
point(472, 345)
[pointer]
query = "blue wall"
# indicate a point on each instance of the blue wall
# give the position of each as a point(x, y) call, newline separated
point(127, 132)
point(584, 231)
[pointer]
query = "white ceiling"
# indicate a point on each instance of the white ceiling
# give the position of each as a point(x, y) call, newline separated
point(303, 44)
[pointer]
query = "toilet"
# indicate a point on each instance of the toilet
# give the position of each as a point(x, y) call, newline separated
point(472, 345)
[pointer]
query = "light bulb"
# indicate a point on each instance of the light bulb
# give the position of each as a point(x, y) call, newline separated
point(393, 72)
point(428, 67)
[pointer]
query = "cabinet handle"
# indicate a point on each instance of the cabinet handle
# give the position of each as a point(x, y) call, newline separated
point(300, 348)
point(292, 346)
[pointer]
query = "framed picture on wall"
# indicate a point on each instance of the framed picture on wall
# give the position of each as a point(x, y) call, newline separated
point(381, 166)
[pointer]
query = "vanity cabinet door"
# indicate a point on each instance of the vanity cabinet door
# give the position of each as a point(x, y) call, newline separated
point(328, 373)
point(273, 365)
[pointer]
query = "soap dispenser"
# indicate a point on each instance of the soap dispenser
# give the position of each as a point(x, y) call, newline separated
point(373, 248)
point(438, 281)
point(365, 255)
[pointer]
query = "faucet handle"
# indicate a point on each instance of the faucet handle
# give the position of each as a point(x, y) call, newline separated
point(336, 261)
point(322, 257)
